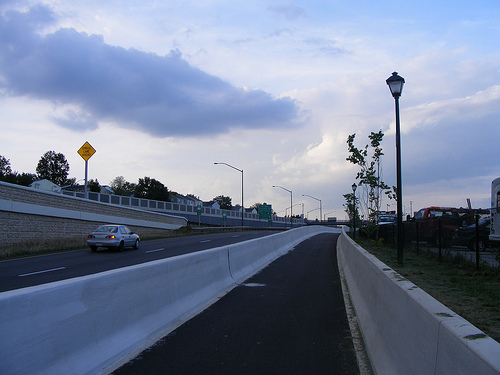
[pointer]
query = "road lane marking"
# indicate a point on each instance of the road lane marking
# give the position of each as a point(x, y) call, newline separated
point(236, 236)
point(253, 284)
point(44, 271)
point(204, 241)
point(155, 250)
point(41, 255)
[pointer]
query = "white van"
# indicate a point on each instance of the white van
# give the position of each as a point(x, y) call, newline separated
point(495, 213)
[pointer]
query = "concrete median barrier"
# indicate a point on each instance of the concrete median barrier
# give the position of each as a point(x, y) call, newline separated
point(405, 330)
point(86, 325)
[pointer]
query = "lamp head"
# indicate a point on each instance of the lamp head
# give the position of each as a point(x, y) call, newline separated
point(395, 83)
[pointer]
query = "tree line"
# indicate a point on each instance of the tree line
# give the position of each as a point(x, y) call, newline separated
point(54, 167)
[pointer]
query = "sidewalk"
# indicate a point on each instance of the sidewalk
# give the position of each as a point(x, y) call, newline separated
point(288, 319)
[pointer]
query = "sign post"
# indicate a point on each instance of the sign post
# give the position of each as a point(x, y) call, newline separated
point(198, 212)
point(86, 152)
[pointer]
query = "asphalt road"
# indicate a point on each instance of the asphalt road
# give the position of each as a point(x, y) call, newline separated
point(288, 319)
point(33, 270)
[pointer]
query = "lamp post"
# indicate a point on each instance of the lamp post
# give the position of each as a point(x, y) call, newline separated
point(320, 207)
point(354, 187)
point(291, 202)
point(296, 204)
point(242, 206)
point(395, 83)
point(314, 209)
point(331, 212)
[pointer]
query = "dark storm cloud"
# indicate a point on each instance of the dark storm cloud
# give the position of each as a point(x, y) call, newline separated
point(162, 95)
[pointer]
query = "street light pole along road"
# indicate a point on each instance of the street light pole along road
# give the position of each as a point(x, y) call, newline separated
point(320, 206)
point(242, 206)
point(291, 202)
point(354, 187)
point(395, 83)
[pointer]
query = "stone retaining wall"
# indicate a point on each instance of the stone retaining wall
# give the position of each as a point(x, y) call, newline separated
point(29, 217)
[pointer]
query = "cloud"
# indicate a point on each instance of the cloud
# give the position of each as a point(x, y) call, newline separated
point(161, 95)
point(289, 11)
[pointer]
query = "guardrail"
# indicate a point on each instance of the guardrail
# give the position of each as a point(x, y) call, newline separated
point(86, 324)
point(405, 330)
point(209, 216)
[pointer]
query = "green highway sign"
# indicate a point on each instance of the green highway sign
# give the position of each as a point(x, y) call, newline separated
point(265, 213)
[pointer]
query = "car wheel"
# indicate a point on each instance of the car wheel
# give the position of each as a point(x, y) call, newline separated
point(435, 240)
point(120, 247)
point(482, 245)
point(93, 248)
point(136, 245)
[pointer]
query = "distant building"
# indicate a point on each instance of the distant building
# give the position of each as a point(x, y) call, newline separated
point(188, 200)
point(107, 190)
point(45, 185)
point(75, 188)
point(251, 210)
point(81, 189)
point(211, 204)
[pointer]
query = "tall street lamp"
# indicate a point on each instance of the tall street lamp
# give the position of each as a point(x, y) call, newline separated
point(320, 207)
point(354, 187)
point(331, 212)
point(242, 206)
point(396, 83)
point(314, 209)
point(291, 202)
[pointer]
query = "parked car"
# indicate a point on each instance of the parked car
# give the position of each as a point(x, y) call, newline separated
point(466, 236)
point(387, 219)
point(113, 237)
point(434, 223)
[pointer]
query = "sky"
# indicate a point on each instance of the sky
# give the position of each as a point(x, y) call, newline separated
point(165, 89)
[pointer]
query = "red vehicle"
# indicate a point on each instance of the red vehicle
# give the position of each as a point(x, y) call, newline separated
point(429, 220)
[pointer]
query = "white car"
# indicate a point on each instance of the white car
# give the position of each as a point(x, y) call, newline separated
point(113, 237)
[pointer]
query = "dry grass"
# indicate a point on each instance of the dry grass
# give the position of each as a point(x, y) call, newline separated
point(455, 282)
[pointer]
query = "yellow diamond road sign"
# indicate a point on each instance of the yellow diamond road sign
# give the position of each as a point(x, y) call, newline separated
point(86, 151)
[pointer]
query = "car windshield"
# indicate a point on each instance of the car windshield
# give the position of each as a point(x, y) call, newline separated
point(485, 221)
point(386, 219)
point(107, 229)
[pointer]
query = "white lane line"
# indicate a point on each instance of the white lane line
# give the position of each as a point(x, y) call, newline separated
point(236, 236)
point(204, 241)
point(44, 271)
point(155, 250)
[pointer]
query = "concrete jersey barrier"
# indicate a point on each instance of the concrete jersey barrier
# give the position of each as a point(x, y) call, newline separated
point(405, 330)
point(87, 324)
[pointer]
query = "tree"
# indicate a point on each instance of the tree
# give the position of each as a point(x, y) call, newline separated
point(369, 174)
point(224, 202)
point(5, 169)
point(53, 167)
point(120, 186)
point(7, 175)
point(24, 179)
point(350, 208)
point(149, 188)
point(94, 186)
